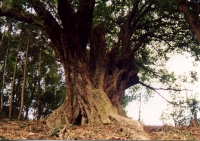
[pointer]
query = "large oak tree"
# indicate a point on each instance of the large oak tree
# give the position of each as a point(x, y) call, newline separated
point(102, 45)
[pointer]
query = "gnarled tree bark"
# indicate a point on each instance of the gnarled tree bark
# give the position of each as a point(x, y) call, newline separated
point(96, 81)
point(95, 88)
point(192, 18)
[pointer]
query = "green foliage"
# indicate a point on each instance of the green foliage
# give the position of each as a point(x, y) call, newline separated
point(166, 32)
point(137, 94)
point(158, 47)
point(186, 108)
point(63, 121)
point(53, 89)
point(22, 125)
point(193, 105)
point(6, 5)
point(125, 100)
point(55, 131)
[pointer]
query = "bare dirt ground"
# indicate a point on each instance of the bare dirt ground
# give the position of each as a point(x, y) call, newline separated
point(38, 130)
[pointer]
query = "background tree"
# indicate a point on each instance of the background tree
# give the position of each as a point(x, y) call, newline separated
point(186, 109)
point(102, 45)
point(39, 86)
point(3, 80)
point(138, 94)
point(16, 38)
point(24, 80)
point(13, 78)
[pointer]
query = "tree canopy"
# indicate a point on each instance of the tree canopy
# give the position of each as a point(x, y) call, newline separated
point(106, 46)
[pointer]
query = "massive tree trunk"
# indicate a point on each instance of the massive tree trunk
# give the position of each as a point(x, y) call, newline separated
point(95, 87)
point(95, 81)
point(96, 76)
point(88, 97)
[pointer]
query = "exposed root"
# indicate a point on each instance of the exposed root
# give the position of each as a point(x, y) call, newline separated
point(100, 111)
point(57, 118)
point(134, 128)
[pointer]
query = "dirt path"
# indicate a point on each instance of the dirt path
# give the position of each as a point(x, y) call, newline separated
point(38, 130)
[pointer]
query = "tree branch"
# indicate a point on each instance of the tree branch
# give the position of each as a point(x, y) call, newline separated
point(142, 14)
point(152, 72)
point(125, 59)
point(49, 23)
point(126, 30)
point(111, 54)
point(35, 20)
point(130, 27)
point(44, 19)
point(140, 42)
point(133, 81)
point(97, 48)
point(155, 90)
point(24, 17)
point(84, 20)
point(67, 16)
point(132, 14)
point(130, 55)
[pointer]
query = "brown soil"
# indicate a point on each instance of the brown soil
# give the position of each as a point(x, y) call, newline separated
point(38, 130)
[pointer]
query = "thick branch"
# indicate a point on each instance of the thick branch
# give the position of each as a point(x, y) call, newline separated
point(49, 23)
point(133, 12)
point(126, 30)
point(142, 14)
point(28, 18)
point(65, 12)
point(84, 20)
point(124, 60)
point(44, 19)
point(97, 48)
point(128, 57)
point(67, 16)
point(133, 81)
point(111, 54)
point(140, 42)
point(130, 27)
